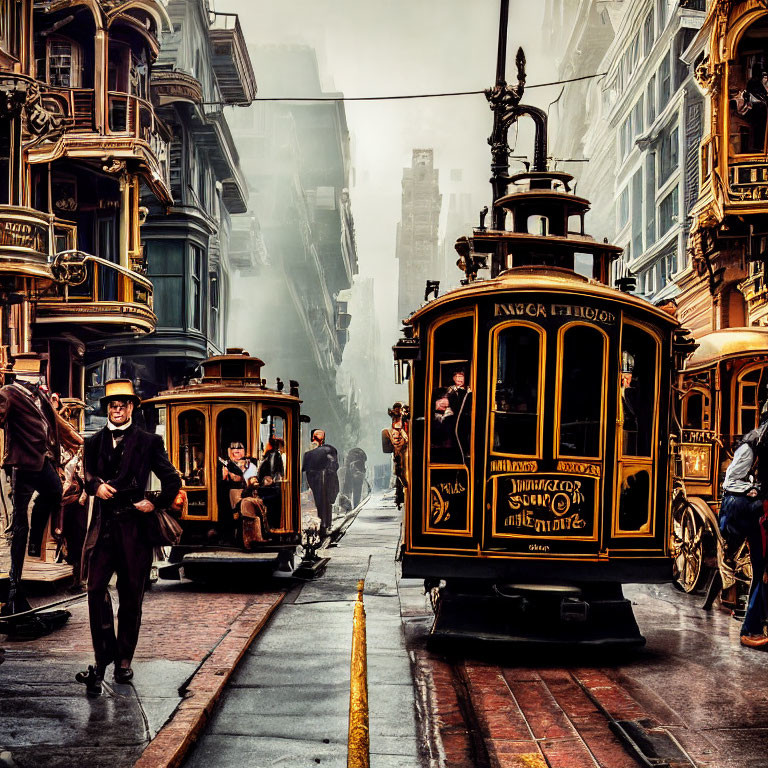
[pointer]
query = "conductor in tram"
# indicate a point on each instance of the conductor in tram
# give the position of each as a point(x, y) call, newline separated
point(740, 513)
point(118, 461)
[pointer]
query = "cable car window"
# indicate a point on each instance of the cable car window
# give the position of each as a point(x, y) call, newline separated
point(584, 264)
point(516, 394)
point(192, 447)
point(634, 500)
point(581, 396)
point(696, 410)
point(272, 444)
point(752, 392)
point(638, 391)
point(451, 396)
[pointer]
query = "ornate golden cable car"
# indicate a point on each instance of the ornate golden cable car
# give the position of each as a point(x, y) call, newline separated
point(223, 423)
point(540, 403)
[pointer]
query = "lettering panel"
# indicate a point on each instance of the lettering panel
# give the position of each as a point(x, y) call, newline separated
point(547, 506)
point(448, 508)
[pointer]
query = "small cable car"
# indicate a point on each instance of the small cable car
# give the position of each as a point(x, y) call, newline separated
point(231, 437)
point(538, 465)
point(723, 384)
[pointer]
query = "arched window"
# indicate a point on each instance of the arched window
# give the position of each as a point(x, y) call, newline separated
point(697, 412)
point(516, 395)
point(750, 395)
point(581, 391)
point(192, 444)
point(748, 91)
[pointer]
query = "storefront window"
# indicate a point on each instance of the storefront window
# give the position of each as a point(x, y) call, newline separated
point(516, 392)
point(748, 92)
point(581, 396)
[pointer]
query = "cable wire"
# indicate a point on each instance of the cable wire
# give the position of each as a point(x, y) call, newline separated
point(403, 96)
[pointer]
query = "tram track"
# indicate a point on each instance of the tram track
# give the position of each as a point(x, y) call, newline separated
point(484, 714)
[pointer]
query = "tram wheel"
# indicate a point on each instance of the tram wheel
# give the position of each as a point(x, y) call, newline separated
point(690, 531)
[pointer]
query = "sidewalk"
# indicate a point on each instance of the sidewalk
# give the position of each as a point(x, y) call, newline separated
point(190, 641)
point(288, 701)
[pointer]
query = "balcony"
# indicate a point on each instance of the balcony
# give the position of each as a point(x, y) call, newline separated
point(100, 297)
point(132, 133)
point(169, 86)
point(28, 240)
point(231, 63)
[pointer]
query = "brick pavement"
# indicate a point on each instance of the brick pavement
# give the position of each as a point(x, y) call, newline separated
point(190, 642)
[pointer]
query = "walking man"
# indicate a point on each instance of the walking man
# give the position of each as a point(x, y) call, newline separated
point(118, 461)
point(34, 437)
point(321, 464)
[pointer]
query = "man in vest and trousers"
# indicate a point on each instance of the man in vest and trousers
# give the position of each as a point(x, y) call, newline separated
point(34, 437)
point(740, 513)
point(117, 464)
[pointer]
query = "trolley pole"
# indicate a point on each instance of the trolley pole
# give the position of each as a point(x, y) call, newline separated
point(358, 748)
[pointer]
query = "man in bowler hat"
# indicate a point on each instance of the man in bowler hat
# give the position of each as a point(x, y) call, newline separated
point(118, 460)
point(34, 437)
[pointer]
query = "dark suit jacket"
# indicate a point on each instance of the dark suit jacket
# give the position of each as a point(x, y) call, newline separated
point(143, 453)
point(26, 437)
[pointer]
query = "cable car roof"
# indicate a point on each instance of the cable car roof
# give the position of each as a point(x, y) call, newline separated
point(728, 343)
point(548, 280)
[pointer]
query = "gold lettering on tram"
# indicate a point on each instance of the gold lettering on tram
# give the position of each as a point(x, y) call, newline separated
point(508, 465)
point(533, 309)
point(579, 468)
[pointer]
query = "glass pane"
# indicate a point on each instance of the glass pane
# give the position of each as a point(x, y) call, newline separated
point(515, 423)
point(272, 467)
point(192, 447)
point(169, 301)
point(634, 500)
point(694, 405)
point(451, 397)
point(638, 391)
point(165, 257)
point(748, 394)
point(583, 264)
point(581, 404)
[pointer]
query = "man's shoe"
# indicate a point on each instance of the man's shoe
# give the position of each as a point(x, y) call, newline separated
point(754, 641)
point(123, 674)
point(92, 680)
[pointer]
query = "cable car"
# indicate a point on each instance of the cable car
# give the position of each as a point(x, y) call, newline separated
point(539, 458)
point(230, 405)
point(722, 386)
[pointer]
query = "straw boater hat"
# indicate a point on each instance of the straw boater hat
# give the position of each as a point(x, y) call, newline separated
point(119, 389)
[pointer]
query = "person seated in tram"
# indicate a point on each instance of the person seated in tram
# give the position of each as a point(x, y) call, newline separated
point(444, 443)
point(272, 463)
point(234, 474)
point(254, 515)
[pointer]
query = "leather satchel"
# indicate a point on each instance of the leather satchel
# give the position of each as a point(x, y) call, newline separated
point(163, 529)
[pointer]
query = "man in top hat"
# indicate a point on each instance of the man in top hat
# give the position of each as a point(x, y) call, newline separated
point(118, 460)
point(34, 437)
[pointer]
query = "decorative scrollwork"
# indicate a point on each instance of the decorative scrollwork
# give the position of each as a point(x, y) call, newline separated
point(115, 166)
point(70, 268)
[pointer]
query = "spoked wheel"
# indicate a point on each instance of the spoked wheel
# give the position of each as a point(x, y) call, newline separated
point(689, 558)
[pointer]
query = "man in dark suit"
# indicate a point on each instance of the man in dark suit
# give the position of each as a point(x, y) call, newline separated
point(117, 463)
point(34, 436)
point(321, 464)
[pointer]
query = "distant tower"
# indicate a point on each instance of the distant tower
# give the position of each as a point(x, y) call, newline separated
point(417, 246)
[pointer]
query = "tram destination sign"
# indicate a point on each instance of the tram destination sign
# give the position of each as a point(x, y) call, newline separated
point(550, 506)
point(535, 309)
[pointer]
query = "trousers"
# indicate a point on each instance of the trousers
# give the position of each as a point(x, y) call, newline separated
point(122, 548)
point(740, 517)
point(47, 483)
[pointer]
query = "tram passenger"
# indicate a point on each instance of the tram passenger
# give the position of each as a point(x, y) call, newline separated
point(444, 444)
point(233, 476)
point(272, 463)
point(460, 399)
point(118, 461)
point(740, 513)
point(254, 515)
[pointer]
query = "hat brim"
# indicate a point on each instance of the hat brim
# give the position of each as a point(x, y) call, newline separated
point(130, 398)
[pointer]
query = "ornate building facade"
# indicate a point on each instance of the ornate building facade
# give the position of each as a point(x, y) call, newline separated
point(79, 139)
point(724, 281)
point(634, 132)
point(202, 68)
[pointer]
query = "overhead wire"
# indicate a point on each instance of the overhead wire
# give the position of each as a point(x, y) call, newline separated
point(406, 96)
